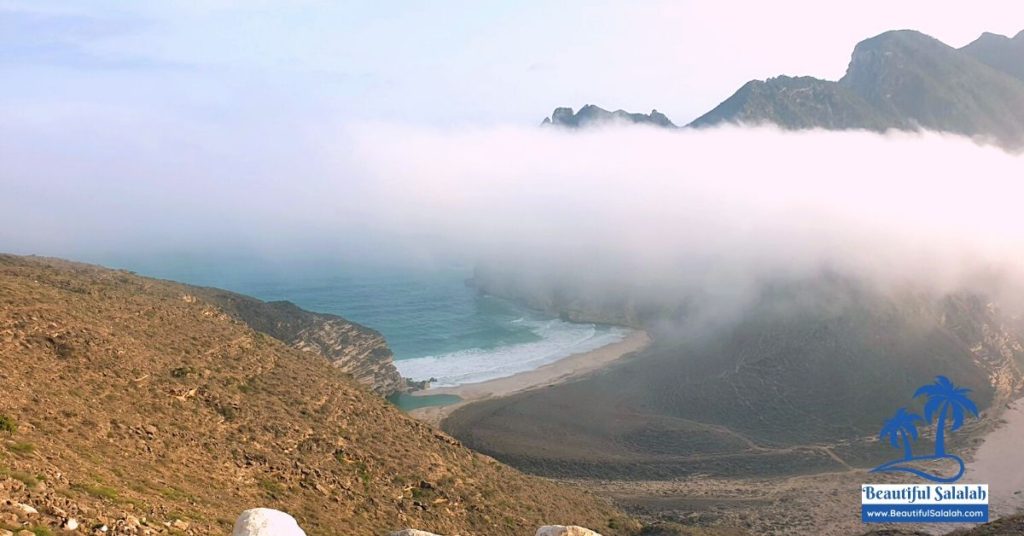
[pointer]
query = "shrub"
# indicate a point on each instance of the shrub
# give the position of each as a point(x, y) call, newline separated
point(23, 449)
point(98, 491)
point(183, 372)
point(273, 488)
point(7, 425)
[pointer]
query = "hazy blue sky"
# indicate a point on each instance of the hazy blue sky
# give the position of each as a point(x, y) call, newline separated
point(436, 62)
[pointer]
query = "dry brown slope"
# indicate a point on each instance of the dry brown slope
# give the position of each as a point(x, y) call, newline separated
point(135, 398)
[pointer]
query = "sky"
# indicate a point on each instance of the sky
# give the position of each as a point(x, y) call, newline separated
point(434, 62)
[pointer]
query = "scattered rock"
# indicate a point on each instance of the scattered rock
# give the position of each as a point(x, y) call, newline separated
point(412, 532)
point(180, 525)
point(24, 509)
point(266, 522)
point(4, 532)
point(564, 530)
point(71, 524)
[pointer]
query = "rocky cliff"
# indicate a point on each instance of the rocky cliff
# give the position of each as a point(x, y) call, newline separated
point(356, 350)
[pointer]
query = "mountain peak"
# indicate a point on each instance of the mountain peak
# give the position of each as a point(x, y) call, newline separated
point(593, 115)
point(999, 52)
point(904, 41)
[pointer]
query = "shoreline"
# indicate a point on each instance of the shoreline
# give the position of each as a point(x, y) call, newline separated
point(550, 374)
point(999, 450)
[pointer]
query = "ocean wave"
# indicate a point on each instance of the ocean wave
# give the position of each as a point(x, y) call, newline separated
point(557, 339)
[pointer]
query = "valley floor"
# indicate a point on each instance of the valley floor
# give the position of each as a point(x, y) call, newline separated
point(826, 504)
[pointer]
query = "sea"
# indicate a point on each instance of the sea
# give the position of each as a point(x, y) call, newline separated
point(438, 326)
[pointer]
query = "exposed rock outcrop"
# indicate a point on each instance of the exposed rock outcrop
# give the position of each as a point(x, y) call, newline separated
point(563, 530)
point(412, 532)
point(357, 350)
point(266, 522)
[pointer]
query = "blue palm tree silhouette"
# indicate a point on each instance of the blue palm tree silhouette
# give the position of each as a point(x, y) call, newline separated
point(945, 398)
point(901, 428)
point(945, 401)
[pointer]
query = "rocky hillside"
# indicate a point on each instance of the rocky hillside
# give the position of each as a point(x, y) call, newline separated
point(898, 80)
point(798, 103)
point(139, 406)
point(356, 350)
point(591, 115)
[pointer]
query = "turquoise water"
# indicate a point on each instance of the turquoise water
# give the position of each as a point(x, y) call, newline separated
point(436, 325)
point(411, 402)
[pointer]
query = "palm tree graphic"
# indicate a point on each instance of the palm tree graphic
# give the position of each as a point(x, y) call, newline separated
point(949, 404)
point(901, 428)
point(944, 398)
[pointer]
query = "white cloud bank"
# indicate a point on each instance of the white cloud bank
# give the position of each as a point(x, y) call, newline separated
point(685, 207)
point(705, 204)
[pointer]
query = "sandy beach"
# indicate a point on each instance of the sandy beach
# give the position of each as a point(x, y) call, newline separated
point(550, 374)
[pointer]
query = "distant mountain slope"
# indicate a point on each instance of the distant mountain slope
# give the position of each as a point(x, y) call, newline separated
point(909, 75)
point(798, 103)
point(999, 52)
point(900, 79)
point(139, 405)
point(591, 115)
point(812, 363)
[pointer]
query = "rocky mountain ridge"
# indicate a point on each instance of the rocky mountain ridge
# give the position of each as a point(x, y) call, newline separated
point(898, 80)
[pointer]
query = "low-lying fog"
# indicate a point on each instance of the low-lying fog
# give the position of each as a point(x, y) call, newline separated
point(711, 209)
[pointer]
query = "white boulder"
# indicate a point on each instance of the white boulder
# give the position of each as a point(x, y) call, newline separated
point(412, 532)
point(565, 530)
point(266, 522)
